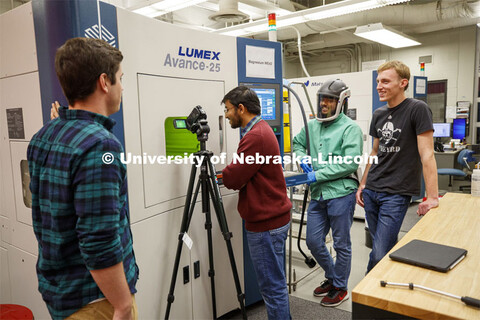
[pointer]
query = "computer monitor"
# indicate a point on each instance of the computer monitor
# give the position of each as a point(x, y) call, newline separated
point(459, 128)
point(441, 130)
point(270, 96)
point(267, 102)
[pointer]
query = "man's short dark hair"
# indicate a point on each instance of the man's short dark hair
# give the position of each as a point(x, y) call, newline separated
point(79, 63)
point(246, 96)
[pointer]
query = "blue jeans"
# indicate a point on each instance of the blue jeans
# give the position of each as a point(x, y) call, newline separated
point(384, 212)
point(336, 214)
point(267, 252)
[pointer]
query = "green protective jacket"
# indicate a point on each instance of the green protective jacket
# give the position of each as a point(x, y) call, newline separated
point(336, 149)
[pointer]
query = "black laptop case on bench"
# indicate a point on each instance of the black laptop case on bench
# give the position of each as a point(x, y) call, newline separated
point(429, 255)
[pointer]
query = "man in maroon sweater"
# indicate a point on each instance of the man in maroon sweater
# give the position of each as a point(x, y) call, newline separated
point(263, 201)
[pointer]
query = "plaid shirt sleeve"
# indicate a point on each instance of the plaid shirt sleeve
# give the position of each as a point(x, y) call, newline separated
point(96, 200)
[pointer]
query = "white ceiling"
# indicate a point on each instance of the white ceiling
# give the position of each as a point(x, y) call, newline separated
point(413, 18)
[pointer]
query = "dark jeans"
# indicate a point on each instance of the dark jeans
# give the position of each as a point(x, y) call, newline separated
point(336, 214)
point(384, 212)
point(267, 250)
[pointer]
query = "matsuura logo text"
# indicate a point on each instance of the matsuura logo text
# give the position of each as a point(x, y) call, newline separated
point(313, 84)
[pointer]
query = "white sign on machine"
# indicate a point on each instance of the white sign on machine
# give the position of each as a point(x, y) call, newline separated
point(260, 62)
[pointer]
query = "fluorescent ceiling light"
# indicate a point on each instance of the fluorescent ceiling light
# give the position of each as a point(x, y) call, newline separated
point(317, 13)
point(386, 36)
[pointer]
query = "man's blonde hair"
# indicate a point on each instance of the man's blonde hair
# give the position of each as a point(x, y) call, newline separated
point(401, 68)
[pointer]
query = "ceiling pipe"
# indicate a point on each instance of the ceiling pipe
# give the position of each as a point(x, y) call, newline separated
point(424, 13)
point(434, 16)
point(349, 51)
point(299, 44)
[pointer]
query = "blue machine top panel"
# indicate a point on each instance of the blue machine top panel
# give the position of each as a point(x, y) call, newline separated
point(57, 21)
point(242, 43)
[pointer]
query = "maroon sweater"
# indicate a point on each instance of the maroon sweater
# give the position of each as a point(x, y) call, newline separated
point(263, 201)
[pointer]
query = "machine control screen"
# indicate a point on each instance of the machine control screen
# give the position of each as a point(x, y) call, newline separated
point(267, 102)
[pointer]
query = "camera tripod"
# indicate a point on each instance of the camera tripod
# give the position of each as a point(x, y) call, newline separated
point(209, 188)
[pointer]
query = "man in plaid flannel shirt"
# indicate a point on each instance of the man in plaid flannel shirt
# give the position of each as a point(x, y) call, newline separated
point(86, 266)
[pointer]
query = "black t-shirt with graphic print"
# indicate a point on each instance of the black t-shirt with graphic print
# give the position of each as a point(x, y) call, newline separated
point(399, 167)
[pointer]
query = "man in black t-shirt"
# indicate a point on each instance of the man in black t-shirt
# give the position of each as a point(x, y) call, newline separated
point(403, 142)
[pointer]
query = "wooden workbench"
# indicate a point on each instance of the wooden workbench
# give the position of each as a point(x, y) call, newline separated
point(456, 222)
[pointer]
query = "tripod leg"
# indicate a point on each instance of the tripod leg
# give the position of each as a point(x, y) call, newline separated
point(208, 227)
point(227, 235)
point(187, 213)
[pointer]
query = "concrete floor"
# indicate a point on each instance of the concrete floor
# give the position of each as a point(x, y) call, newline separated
point(304, 288)
point(313, 277)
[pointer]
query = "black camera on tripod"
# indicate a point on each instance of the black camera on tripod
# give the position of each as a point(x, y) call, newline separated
point(207, 183)
point(197, 123)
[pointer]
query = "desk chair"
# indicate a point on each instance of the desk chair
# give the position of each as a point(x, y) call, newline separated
point(464, 157)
